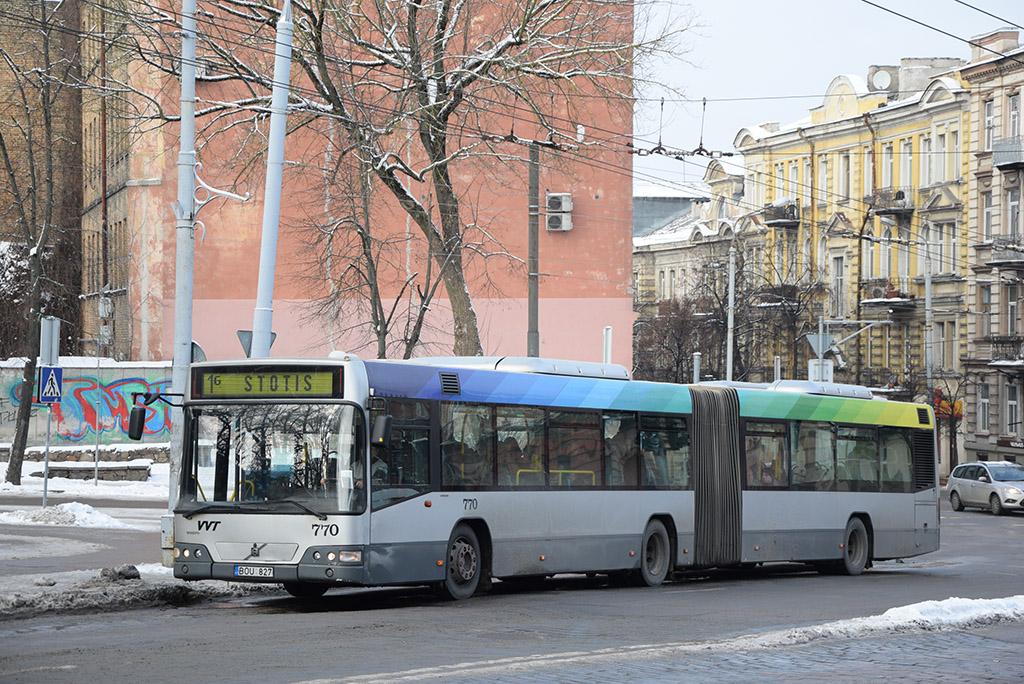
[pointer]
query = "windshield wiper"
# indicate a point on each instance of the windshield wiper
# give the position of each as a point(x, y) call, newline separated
point(210, 507)
point(311, 511)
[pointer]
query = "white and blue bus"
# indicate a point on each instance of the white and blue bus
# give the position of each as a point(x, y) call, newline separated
point(453, 471)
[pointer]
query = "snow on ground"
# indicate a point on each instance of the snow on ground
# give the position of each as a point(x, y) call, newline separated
point(66, 514)
point(154, 488)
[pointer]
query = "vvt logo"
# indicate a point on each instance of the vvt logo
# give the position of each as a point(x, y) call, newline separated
point(210, 525)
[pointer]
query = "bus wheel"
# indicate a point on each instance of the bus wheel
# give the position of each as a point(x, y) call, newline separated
point(855, 548)
point(955, 503)
point(306, 590)
point(462, 574)
point(655, 554)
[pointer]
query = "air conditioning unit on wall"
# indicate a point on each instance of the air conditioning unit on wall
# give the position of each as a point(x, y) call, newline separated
point(559, 222)
point(559, 208)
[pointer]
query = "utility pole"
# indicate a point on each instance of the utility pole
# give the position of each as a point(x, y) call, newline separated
point(184, 212)
point(262, 321)
point(732, 311)
point(533, 262)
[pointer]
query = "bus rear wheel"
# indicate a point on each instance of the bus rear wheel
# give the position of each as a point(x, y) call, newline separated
point(463, 564)
point(306, 590)
point(655, 555)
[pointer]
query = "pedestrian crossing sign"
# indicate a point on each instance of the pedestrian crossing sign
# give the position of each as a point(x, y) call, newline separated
point(51, 379)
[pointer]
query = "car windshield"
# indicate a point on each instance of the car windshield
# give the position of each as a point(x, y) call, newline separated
point(301, 456)
point(1007, 473)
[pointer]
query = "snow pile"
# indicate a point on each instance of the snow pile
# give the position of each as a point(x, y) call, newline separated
point(951, 613)
point(67, 514)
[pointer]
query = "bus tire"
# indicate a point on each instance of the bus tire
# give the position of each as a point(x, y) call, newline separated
point(463, 564)
point(306, 590)
point(655, 554)
point(954, 502)
point(856, 548)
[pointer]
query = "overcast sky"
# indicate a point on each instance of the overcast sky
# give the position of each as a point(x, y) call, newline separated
point(790, 49)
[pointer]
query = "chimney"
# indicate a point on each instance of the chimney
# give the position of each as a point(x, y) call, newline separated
point(1001, 40)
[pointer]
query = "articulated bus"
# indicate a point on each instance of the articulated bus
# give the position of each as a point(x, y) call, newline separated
point(453, 471)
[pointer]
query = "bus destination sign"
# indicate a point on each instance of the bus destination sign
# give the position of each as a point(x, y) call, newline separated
point(258, 383)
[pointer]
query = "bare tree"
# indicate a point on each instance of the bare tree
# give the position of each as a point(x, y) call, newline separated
point(40, 200)
point(421, 87)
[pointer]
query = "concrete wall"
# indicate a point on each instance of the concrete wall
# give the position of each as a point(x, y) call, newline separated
point(75, 419)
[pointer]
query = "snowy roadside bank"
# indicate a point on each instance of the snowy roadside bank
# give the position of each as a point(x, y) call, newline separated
point(110, 589)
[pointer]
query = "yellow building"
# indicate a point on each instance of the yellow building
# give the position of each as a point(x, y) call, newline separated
point(860, 199)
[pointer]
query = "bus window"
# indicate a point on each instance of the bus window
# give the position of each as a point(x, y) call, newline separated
point(520, 461)
point(665, 452)
point(767, 456)
point(467, 445)
point(897, 460)
point(856, 459)
point(813, 458)
point(574, 450)
point(401, 470)
point(620, 449)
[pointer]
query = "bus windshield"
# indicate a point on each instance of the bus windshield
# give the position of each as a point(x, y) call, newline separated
point(243, 455)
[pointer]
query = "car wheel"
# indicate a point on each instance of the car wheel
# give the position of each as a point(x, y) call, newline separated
point(995, 505)
point(955, 502)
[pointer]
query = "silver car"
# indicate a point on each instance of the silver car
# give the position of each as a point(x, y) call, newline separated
point(995, 485)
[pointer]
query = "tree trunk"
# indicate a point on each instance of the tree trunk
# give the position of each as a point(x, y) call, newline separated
point(24, 415)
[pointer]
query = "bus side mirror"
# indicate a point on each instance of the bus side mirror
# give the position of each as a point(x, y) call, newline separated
point(381, 434)
point(136, 421)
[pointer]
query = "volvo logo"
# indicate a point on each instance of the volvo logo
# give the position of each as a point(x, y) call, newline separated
point(254, 552)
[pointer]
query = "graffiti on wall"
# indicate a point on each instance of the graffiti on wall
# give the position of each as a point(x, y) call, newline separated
point(88, 405)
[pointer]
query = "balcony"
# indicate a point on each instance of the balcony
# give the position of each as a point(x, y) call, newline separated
point(893, 201)
point(782, 215)
point(895, 293)
point(1006, 348)
point(1008, 153)
point(1007, 252)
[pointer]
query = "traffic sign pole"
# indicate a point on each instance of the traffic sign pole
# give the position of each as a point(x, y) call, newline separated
point(46, 460)
point(51, 380)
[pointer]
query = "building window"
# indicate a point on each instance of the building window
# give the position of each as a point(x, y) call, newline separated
point(887, 165)
point(672, 284)
point(925, 166)
point(1013, 115)
point(985, 313)
point(868, 173)
point(949, 345)
point(838, 287)
point(822, 178)
point(808, 178)
point(984, 408)
point(1012, 409)
point(903, 253)
point(954, 159)
point(844, 177)
point(989, 123)
point(794, 188)
point(1013, 213)
point(780, 181)
point(1011, 309)
point(661, 285)
point(987, 213)
point(906, 162)
point(867, 263)
point(885, 254)
point(940, 158)
point(938, 253)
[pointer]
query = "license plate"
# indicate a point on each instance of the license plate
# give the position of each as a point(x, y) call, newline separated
point(254, 571)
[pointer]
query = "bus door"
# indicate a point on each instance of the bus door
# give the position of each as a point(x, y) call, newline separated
point(718, 514)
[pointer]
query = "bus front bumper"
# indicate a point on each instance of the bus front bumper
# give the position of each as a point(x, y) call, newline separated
point(320, 565)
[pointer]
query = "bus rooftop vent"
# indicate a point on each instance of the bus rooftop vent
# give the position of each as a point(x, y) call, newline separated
point(450, 383)
point(922, 416)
